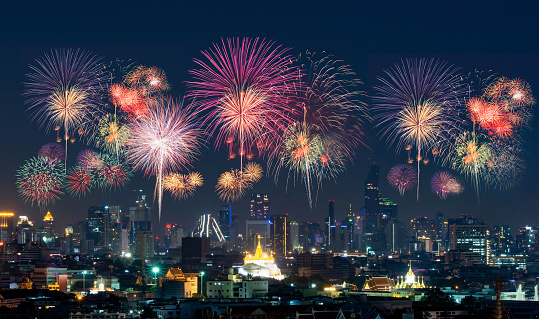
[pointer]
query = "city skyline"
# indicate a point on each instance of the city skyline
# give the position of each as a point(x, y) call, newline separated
point(367, 55)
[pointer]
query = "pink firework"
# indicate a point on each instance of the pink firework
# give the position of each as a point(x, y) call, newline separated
point(402, 177)
point(53, 151)
point(164, 141)
point(444, 183)
point(242, 86)
point(79, 181)
point(90, 159)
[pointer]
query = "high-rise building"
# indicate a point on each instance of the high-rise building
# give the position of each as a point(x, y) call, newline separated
point(293, 236)
point(527, 239)
point(372, 201)
point(500, 238)
point(396, 236)
point(279, 234)
point(6, 226)
point(195, 249)
point(48, 225)
point(207, 227)
point(141, 232)
point(470, 237)
point(224, 219)
point(422, 227)
point(25, 230)
point(330, 224)
point(95, 226)
point(260, 206)
point(255, 228)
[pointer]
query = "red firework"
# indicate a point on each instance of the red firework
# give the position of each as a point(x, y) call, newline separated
point(147, 80)
point(90, 159)
point(79, 181)
point(129, 100)
point(113, 176)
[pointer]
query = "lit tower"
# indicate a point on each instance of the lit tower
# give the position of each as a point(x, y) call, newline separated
point(48, 225)
point(6, 226)
point(372, 200)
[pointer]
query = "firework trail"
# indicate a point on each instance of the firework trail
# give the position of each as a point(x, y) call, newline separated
point(40, 180)
point(444, 183)
point(471, 156)
point(417, 104)
point(79, 181)
point(242, 86)
point(53, 151)
point(65, 91)
point(402, 177)
point(163, 141)
point(182, 186)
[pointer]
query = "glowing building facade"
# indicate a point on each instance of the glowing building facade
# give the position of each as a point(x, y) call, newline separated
point(260, 265)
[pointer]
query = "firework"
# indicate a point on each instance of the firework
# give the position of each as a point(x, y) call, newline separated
point(182, 186)
point(113, 176)
point(253, 172)
point(444, 183)
point(112, 134)
point(53, 151)
point(40, 180)
point(131, 101)
point(164, 140)
point(417, 106)
point(232, 185)
point(471, 156)
point(90, 159)
point(402, 177)
point(146, 80)
point(65, 90)
point(241, 86)
point(79, 181)
point(505, 166)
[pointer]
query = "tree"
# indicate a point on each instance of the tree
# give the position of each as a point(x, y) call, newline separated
point(468, 302)
point(437, 298)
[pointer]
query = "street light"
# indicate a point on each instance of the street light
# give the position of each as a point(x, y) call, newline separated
point(155, 271)
point(202, 273)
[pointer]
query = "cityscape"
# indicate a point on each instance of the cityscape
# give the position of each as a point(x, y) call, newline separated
point(266, 160)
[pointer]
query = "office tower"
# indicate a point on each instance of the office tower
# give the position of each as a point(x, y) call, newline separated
point(48, 225)
point(260, 206)
point(526, 239)
point(25, 230)
point(172, 239)
point(470, 237)
point(500, 239)
point(396, 236)
point(372, 201)
point(330, 224)
point(279, 234)
point(254, 228)
point(388, 209)
point(348, 239)
point(194, 250)
point(96, 226)
point(6, 226)
point(234, 227)
point(293, 237)
point(422, 227)
point(140, 218)
point(224, 219)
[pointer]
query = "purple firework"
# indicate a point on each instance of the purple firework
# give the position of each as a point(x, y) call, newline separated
point(444, 183)
point(90, 159)
point(402, 177)
point(53, 151)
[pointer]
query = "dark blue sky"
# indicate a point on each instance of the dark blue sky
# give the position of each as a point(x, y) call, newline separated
point(368, 37)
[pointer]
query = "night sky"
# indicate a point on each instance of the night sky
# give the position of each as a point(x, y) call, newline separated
point(370, 38)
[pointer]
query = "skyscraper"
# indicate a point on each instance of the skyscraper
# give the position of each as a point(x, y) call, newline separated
point(260, 206)
point(470, 237)
point(95, 225)
point(6, 226)
point(279, 234)
point(372, 201)
point(224, 219)
point(141, 235)
point(330, 224)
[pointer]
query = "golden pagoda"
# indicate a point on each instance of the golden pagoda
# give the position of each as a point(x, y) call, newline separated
point(409, 281)
point(259, 258)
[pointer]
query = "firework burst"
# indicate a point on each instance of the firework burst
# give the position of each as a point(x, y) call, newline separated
point(90, 159)
point(402, 177)
point(471, 156)
point(417, 106)
point(79, 181)
point(112, 134)
point(182, 186)
point(65, 91)
point(444, 184)
point(232, 185)
point(165, 140)
point(253, 172)
point(242, 87)
point(505, 166)
point(53, 151)
point(40, 180)
point(147, 80)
